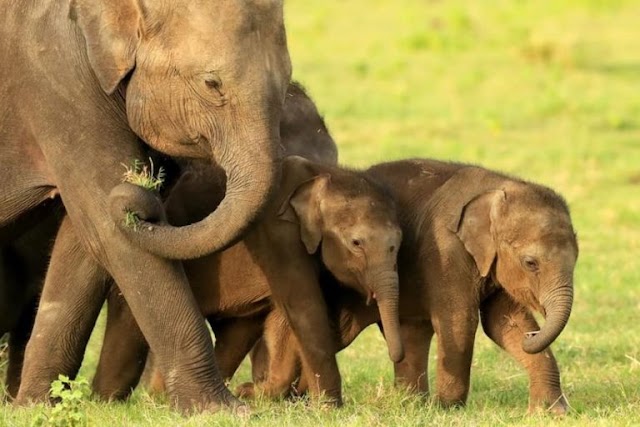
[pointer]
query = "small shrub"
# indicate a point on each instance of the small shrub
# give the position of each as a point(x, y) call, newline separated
point(70, 409)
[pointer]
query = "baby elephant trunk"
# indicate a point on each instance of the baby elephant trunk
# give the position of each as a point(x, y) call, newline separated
point(387, 296)
point(557, 306)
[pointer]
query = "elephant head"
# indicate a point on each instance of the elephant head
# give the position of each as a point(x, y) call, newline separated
point(201, 79)
point(520, 234)
point(352, 222)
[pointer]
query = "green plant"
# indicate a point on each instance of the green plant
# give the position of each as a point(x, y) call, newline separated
point(143, 175)
point(69, 411)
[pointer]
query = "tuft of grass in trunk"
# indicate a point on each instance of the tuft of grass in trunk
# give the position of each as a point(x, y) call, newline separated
point(142, 175)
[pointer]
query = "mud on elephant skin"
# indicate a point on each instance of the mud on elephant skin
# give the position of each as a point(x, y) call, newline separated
point(211, 87)
point(491, 248)
point(322, 217)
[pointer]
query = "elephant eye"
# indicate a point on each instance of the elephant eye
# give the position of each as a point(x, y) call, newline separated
point(213, 81)
point(356, 242)
point(530, 263)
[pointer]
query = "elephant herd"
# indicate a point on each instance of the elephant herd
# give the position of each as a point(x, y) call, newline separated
point(257, 230)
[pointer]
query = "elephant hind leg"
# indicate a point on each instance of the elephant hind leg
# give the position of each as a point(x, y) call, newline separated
point(283, 356)
point(69, 306)
point(505, 322)
point(17, 343)
point(124, 351)
point(234, 339)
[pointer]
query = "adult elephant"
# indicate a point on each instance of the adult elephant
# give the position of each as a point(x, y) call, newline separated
point(80, 82)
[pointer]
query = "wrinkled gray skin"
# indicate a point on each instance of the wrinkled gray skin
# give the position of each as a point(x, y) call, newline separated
point(82, 80)
point(478, 246)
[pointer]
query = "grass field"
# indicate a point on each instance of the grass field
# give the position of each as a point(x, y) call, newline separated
point(544, 89)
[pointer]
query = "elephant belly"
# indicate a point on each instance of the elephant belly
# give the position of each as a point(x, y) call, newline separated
point(230, 284)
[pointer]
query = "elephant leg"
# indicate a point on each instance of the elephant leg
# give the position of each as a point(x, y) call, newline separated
point(283, 355)
point(506, 322)
point(124, 351)
point(259, 361)
point(69, 306)
point(307, 315)
point(17, 344)
point(234, 340)
point(411, 373)
point(455, 328)
point(156, 289)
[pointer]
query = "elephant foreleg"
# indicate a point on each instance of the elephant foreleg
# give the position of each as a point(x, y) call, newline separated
point(307, 313)
point(505, 322)
point(124, 351)
point(455, 327)
point(71, 300)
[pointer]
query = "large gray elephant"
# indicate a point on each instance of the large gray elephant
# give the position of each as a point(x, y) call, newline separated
point(81, 81)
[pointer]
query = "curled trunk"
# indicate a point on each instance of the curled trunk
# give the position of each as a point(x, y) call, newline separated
point(251, 168)
point(557, 305)
point(387, 297)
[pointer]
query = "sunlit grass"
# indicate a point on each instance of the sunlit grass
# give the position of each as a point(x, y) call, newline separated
point(543, 89)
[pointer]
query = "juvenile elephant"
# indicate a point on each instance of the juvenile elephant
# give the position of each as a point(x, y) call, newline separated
point(322, 219)
point(81, 81)
point(477, 246)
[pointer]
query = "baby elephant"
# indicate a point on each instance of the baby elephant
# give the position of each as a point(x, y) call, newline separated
point(478, 247)
point(323, 220)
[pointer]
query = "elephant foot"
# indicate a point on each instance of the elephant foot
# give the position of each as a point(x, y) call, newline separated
point(450, 403)
point(223, 400)
point(559, 407)
point(246, 391)
point(33, 394)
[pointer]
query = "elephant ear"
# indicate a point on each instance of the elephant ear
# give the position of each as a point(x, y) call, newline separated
point(112, 32)
point(474, 227)
point(303, 207)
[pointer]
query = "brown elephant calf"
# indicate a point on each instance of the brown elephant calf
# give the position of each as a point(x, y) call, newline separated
point(478, 247)
point(323, 219)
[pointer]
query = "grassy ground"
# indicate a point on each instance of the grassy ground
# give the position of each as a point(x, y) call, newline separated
point(544, 89)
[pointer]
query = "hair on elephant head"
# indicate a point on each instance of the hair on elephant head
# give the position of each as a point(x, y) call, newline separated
point(302, 129)
point(205, 80)
point(353, 225)
point(521, 234)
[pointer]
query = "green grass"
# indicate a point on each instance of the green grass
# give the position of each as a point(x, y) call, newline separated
point(544, 89)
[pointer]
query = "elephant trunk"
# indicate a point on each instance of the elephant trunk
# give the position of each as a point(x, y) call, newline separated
point(250, 164)
point(557, 306)
point(387, 297)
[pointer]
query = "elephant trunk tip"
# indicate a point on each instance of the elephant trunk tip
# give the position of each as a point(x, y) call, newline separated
point(396, 355)
point(531, 345)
